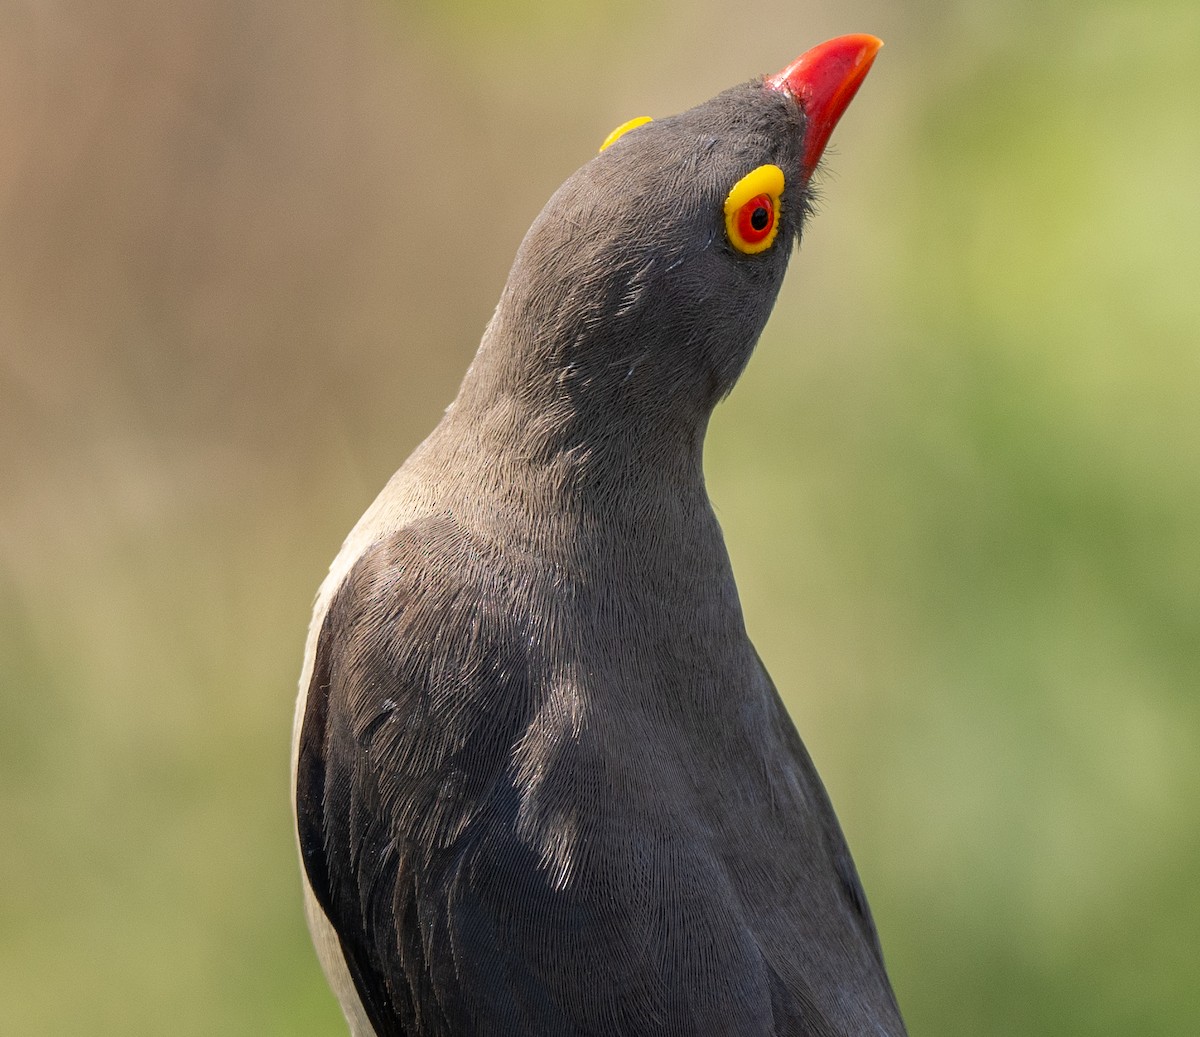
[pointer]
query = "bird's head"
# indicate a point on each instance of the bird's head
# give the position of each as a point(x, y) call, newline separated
point(641, 288)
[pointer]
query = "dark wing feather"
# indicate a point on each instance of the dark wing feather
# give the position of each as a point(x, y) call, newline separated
point(795, 1010)
point(415, 825)
point(416, 695)
point(831, 830)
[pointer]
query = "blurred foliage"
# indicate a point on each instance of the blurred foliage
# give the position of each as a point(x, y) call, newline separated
point(245, 254)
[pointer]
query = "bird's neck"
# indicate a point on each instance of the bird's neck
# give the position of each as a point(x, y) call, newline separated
point(535, 469)
point(569, 410)
point(534, 462)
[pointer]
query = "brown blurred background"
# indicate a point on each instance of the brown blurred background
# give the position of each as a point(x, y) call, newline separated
point(246, 252)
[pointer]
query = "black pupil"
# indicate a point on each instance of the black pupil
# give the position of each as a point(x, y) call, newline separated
point(760, 218)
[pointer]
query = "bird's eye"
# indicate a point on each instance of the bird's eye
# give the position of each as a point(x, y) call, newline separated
point(752, 210)
point(623, 129)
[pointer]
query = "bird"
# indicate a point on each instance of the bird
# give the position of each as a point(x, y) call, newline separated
point(543, 783)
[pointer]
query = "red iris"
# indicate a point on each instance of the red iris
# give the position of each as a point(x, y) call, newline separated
point(756, 219)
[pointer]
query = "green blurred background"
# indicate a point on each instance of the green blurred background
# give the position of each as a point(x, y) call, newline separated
point(246, 252)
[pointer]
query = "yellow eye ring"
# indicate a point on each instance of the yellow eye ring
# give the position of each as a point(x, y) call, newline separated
point(752, 210)
point(623, 129)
